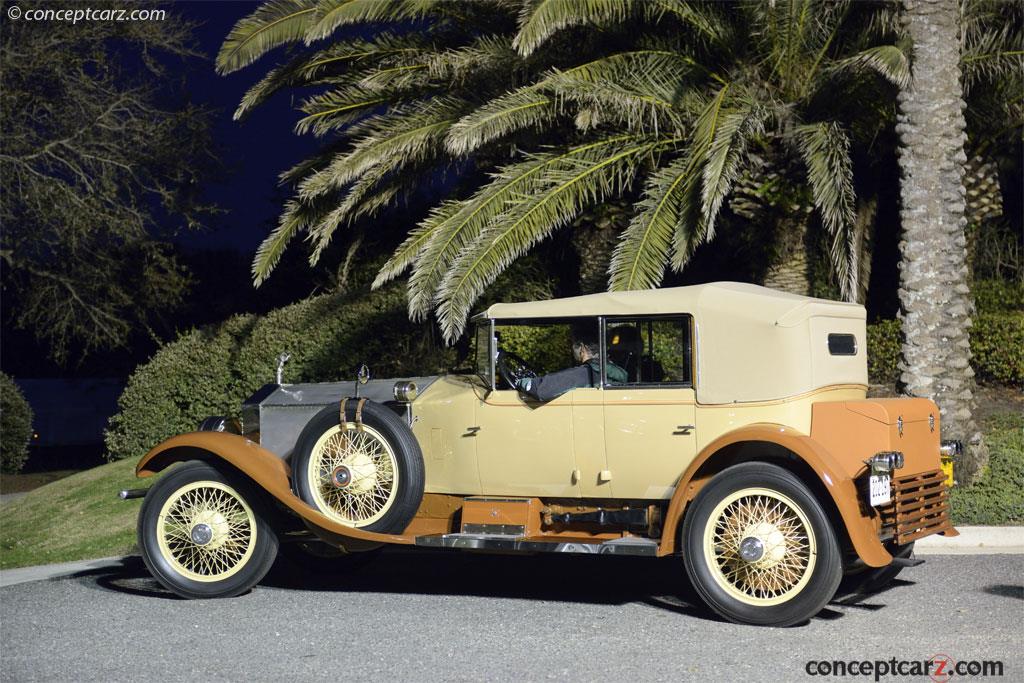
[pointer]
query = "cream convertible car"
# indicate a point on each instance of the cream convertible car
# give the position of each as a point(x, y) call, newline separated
point(736, 435)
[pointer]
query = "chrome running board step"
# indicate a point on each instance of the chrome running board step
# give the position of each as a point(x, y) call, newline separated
point(631, 545)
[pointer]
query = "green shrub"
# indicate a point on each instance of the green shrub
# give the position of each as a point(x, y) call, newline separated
point(884, 341)
point(994, 296)
point(15, 426)
point(998, 496)
point(211, 371)
point(997, 347)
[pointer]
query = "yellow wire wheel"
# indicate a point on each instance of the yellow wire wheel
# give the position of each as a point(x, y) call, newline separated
point(365, 472)
point(206, 531)
point(353, 474)
point(760, 546)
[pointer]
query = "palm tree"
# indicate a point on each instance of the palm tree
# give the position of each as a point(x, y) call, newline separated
point(565, 106)
point(935, 298)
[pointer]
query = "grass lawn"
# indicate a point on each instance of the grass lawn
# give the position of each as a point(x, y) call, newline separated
point(76, 518)
point(80, 517)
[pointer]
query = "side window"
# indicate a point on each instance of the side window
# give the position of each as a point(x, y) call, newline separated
point(482, 351)
point(546, 345)
point(649, 351)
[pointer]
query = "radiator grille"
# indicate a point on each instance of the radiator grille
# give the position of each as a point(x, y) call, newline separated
point(919, 507)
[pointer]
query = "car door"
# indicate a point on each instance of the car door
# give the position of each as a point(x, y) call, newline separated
point(650, 427)
point(526, 447)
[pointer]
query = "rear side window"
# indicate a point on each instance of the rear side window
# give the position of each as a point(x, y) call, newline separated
point(648, 351)
point(842, 344)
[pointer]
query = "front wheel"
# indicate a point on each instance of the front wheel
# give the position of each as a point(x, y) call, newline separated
point(204, 534)
point(759, 548)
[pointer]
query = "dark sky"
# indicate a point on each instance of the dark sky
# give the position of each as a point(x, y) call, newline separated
point(256, 150)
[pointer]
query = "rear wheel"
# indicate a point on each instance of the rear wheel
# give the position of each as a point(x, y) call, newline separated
point(204, 534)
point(759, 548)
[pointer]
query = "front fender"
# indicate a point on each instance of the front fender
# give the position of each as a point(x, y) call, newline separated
point(267, 470)
point(861, 530)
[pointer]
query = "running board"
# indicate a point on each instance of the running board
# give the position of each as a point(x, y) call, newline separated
point(631, 545)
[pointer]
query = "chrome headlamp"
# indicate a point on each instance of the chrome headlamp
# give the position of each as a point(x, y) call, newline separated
point(951, 448)
point(405, 392)
point(884, 462)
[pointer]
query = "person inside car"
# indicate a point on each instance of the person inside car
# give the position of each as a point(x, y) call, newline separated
point(587, 373)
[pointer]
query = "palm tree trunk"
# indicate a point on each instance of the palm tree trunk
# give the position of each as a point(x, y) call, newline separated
point(789, 271)
point(936, 302)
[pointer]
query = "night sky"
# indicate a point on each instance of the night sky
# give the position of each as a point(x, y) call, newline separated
point(255, 150)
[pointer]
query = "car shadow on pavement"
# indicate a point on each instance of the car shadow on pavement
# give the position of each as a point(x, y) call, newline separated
point(1006, 591)
point(658, 583)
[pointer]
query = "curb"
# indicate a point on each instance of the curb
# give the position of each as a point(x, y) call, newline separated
point(975, 540)
point(12, 577)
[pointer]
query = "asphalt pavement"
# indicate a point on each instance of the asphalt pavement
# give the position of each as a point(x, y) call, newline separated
point(426, 616)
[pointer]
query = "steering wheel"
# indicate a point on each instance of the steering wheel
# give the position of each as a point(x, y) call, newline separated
point(512, 368)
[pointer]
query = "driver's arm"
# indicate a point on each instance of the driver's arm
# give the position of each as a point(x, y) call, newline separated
point(554, 384)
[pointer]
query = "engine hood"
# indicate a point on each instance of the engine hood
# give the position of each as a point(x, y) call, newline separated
point(280, 411)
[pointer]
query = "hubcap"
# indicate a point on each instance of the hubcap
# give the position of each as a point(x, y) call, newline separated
point(353, 475)
point(760, 546)
point(202, 534)
point(751, 549)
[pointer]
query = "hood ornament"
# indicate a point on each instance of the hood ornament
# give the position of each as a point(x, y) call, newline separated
point(931, 422)
point(281, 360)
point(362, 377)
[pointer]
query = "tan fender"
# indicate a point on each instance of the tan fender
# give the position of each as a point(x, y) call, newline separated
point(266, 469)
point(861, 529)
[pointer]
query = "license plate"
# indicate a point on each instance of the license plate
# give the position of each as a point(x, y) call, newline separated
point(880, 489)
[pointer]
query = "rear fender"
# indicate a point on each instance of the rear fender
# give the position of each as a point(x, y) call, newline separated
point(267, 470)
point(840, 487)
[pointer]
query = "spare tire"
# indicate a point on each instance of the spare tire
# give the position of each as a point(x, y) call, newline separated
point(367, 475)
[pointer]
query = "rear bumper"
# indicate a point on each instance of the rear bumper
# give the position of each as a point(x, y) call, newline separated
point(919, 508)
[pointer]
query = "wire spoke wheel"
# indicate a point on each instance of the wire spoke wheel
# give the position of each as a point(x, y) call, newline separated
point(760, 546)
point(206, 531)
point(353, 474)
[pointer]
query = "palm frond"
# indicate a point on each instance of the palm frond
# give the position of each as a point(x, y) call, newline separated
point(569, 190)
point(392, 140)
point(413, 246)
point(332, 14)
point(306, 69)
point(708, 24)
point(669, 198)
point(825, 149)
point(274, 23)
point(541, 19)
point(533, 105)
point(454, 225)
point(336, 108)
point(638, 88)
point(723, 157)
point(514, 111)
point(887, 60)
point(296, 218)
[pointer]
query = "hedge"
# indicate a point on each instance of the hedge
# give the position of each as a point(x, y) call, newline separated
point(997, 348)
point(998, 496)
point(15, 426)
point(211, 371)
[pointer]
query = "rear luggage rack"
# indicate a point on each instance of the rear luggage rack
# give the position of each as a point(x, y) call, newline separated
point(919, 507)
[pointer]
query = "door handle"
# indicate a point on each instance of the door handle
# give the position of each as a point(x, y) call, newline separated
point(471, 431)
point(683, 430)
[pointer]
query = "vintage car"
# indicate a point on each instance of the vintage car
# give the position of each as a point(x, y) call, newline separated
point(724, 423)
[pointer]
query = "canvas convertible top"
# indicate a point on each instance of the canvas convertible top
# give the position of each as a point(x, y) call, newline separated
point(752, 343)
